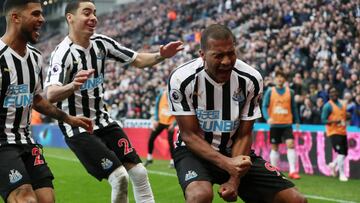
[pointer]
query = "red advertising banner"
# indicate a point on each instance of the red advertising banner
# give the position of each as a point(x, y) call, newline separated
point(313, 149)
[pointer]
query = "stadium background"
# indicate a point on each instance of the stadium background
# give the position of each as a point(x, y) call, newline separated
point(315, 42)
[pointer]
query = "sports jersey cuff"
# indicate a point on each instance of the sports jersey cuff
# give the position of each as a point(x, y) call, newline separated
point(183, 113)
point(53, 83)
point(133, 57)
point(251, 118)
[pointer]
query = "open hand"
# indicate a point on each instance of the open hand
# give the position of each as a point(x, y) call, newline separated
point(170, 49)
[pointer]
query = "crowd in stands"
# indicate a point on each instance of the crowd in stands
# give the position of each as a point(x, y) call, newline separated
point(317, 43)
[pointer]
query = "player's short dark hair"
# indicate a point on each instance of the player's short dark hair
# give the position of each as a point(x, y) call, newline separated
point(280, 73)
point(217, 32)
point(72, 6)
point(11, 4)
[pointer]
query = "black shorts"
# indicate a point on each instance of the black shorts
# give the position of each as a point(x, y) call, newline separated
point(278, 134)
point(104, 151)
point(23, 164)
point(260, 183)
point(339, 144)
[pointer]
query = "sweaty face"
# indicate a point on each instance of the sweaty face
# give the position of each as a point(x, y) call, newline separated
point(219, 59)
point(31, 21)
point(84, 20)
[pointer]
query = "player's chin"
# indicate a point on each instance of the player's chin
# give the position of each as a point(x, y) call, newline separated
point(90, 32)
point(34, 39)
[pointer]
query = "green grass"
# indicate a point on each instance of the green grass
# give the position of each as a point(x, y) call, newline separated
point(74, 185)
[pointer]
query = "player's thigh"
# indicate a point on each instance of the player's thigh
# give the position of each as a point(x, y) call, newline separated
point(39, 172)
point(95, 156)
point(189, 169)
point(37, 167)
point(158, 130)
point(339, 144)
point(118, 142)
point(288, 134)
point(13, 172)
point(262, 182)
point(275, 135)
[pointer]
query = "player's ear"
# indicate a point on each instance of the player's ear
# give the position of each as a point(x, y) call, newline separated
point(69, 17)
point(14, 16)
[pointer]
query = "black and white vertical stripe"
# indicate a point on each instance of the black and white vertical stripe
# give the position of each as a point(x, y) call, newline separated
point(192, 89)
point(16, 70)
point(68, 59)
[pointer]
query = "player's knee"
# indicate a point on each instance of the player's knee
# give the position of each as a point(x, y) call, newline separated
point(48, 197)
point(199, 194)
point(290, 195)
point(139, 173)
point(119, 178)
point(299, 198)
point(290, 144)
point(274, 147)
point(24, 193)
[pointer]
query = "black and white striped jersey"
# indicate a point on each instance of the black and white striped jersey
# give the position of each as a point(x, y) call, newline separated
point(69, 58)
point(20, 81)
point(219, 108)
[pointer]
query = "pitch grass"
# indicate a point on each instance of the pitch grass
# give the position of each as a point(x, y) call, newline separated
point(74, 185)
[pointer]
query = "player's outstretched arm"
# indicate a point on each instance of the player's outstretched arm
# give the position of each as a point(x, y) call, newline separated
point(166, 51)
point(56, 93)
point(45, 107)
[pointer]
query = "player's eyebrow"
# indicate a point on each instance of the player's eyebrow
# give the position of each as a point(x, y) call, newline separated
point(89, 9)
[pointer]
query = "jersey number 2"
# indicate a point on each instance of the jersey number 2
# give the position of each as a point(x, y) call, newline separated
point(125, 143)
point(37, 153)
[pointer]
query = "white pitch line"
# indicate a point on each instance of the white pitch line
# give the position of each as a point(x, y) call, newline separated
point(173, 175)
point(162, 173)
point(328, 199)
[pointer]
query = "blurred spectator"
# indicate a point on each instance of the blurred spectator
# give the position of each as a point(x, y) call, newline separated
point(316, 38)
point(317, 111)
point(354, 110)
point(306, 111)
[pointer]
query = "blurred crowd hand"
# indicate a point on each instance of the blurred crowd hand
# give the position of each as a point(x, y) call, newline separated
point(155, 124)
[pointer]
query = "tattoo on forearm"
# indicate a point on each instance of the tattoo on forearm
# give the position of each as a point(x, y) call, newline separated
point(159, 58)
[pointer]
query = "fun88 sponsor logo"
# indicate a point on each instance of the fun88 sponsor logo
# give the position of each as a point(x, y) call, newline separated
point(210, 121)
point(18, 96)
point(92, 83)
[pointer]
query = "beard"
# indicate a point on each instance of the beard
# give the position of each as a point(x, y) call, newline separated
point(28, 36)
